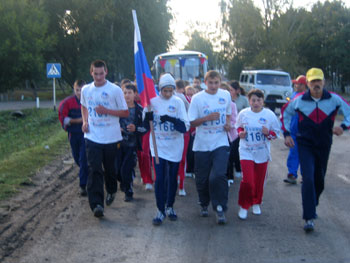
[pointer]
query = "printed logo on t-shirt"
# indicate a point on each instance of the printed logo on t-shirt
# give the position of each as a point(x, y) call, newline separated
point(104, 95)
point(171, 108)
point(262, 120)
point(222, 101)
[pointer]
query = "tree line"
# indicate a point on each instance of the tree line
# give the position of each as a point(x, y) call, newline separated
point(282, 37)
point(73, 33)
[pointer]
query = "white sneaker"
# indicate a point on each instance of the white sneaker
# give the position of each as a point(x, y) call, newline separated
point(256, 210)
point(229, 182)
point(243, 213)
point(238, 174)
point(148, 187)
point(182, 192)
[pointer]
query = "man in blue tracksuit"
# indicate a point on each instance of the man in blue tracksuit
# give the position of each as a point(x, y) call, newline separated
point(316, 110)
point(69, 114)
point(300, 87)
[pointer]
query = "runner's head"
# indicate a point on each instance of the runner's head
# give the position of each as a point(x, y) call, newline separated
point(166, 85)
point(315, 82)
point(212, 80)
point(129, 92)
point(78, 85)
point(98, 71)
point(256, 100)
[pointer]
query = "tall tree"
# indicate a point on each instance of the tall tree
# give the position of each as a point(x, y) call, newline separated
point(104, 29)
point(24, 41)
point(244, 25)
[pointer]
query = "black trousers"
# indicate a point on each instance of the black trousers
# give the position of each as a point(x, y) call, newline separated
point(233, 159)
point(190, 156)
point(211, 180)
point(126, 168)
point(101, 166)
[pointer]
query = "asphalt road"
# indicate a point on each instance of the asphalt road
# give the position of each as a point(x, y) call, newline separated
point(20, 105)
point(68, 232)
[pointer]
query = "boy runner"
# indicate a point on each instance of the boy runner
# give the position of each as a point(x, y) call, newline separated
point(210, 112)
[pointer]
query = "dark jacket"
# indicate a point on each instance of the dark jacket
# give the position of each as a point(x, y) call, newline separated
point(316, 118)
point(70, 108)
point(140, 129)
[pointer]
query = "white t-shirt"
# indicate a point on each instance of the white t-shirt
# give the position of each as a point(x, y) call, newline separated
point(256, 147)
point(210, 135)
point(170, 143)
point(183, 98)
point(103, 128)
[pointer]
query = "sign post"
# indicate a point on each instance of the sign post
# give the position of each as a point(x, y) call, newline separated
point(53, 71)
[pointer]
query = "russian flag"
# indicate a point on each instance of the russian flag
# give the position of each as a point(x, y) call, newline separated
point(144, 79)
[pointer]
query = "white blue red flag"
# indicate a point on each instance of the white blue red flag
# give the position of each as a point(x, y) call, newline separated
point(144, 79)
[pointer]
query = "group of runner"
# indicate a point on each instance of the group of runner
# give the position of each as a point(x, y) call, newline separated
point(114, 125)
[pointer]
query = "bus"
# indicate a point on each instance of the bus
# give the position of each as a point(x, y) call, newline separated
point(185, 65)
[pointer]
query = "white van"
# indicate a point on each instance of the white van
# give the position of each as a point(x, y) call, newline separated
point(276, 85)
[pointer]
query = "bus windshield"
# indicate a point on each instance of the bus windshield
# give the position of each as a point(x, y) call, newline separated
point(185, 65)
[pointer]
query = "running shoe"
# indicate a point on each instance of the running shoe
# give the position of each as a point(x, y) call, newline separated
point(158, 220)
point(309, 226)
point(171, 214)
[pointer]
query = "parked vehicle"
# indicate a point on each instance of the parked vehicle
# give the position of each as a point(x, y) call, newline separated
point(276, 85)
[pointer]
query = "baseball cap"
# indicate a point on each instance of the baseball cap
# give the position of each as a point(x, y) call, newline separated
point(300, 80)
point(314, 74)
point(166, 80)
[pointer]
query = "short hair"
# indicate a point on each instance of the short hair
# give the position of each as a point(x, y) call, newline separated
point(131, 86)
point(256, 92)
point(224, 86)
point(190, 88)
point(199, 78)
point(79, 83)
point(235, 84)
point(180, 84)
point(211, 74)
point(98, 64)
point(125, 81)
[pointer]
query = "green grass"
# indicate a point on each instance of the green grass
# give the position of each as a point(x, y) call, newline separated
point(22, 146)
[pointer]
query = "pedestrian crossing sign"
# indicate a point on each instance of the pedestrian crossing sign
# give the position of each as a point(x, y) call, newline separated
point(53, 70)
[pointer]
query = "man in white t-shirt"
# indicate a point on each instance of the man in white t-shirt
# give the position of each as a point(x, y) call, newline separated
point(102, 104)
point(210, 112)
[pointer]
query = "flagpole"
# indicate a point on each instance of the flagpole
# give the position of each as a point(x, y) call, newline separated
point(155, 149)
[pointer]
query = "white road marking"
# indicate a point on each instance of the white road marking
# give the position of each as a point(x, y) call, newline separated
point(346, 179)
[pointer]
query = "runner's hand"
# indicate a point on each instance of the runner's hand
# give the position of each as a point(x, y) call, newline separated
point(131, 127)
point(289, 142)
point(101, 110)
point(265, 131)
point(338, 131)
point(213, 116)
point(242, 134)
point(85, 127)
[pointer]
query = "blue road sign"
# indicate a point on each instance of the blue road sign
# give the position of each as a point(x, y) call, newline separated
point(53, 70)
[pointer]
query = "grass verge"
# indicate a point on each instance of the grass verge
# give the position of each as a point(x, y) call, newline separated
point(26, 145)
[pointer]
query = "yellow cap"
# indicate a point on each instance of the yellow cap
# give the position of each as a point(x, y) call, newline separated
point(314, 73)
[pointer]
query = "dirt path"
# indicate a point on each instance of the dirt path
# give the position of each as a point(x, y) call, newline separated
point(51, 223)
